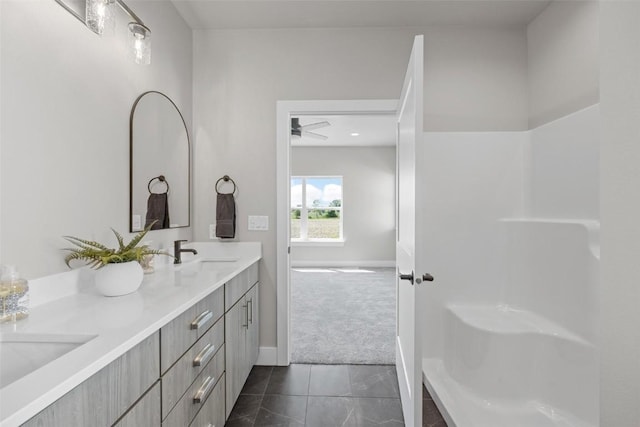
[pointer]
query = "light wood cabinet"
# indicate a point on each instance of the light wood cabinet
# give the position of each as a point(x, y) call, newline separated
point(190, 365)
point(189, 373)
point(242, 341)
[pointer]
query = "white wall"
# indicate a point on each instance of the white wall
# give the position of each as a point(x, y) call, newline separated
point(620, 211)
point(562, 46)
point(240, 74)
point(368, 201)
point(65, 103)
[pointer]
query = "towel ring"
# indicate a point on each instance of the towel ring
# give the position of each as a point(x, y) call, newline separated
point(226, 179)
point(160, 178)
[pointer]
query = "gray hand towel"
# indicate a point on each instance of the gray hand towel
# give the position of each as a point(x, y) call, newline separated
point(158, 210)
point(226, 216)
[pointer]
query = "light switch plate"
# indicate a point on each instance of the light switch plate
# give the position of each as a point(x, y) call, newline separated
point(258, 223)
point(212, 231)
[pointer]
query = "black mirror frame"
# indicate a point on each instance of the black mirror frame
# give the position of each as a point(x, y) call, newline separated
point(133, 109)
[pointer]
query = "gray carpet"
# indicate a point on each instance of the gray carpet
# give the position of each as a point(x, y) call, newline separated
point(343, 316)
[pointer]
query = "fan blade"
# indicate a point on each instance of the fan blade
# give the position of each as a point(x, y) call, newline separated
point(314, 126)
point(314, 135)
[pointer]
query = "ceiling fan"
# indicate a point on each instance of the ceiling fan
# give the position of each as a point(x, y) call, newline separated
point(304, 130)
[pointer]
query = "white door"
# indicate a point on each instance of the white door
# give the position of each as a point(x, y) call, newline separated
point(409, 254)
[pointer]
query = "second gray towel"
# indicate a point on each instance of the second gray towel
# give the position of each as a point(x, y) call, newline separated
point(226, 216)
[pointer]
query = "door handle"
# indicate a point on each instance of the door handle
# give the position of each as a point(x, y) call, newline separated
point(425, 277)
point(408, 277)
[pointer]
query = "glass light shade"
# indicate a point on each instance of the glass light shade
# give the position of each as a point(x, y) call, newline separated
point(140, 41)
point(100, 16)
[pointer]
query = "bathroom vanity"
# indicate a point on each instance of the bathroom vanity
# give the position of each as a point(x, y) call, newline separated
point(175, 353)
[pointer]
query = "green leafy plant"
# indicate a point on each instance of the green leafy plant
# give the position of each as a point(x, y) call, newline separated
point(97, 255)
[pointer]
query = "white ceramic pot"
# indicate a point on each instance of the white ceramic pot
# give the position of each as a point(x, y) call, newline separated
point(114, 280)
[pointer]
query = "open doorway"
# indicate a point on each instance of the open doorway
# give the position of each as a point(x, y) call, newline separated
point(336, 232)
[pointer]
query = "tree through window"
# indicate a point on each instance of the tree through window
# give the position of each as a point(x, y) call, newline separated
point(316, 208)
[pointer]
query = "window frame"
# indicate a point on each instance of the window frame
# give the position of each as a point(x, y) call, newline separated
point(304, 239)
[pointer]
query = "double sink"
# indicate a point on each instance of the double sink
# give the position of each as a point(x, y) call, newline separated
point(23, 353)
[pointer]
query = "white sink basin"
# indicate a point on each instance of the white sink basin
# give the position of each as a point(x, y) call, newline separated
point(21, 354)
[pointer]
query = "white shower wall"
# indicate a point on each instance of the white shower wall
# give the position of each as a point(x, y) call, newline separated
point(513, 243)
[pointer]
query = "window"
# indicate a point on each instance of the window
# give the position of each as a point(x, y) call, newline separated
point(316, 209)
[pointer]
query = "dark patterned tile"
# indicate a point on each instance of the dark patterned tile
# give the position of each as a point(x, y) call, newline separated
point(331, 411)
point(329, 380)
point(258, 380)
point(244, 411)
point(431, 416)
point(277, 410)
point(290, 380)
point(374, 381)
point(380, 412)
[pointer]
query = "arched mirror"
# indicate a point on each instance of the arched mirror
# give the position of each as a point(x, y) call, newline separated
point(159, 164)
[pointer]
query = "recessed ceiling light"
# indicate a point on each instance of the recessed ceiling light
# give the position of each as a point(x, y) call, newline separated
point(355, 134)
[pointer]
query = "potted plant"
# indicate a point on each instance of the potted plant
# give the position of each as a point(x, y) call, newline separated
point(118, 270)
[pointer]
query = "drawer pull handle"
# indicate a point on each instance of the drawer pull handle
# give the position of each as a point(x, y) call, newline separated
point(246, 315)
point(204, 355)
point(204, 391)
point(250, 311)
point(202, 320)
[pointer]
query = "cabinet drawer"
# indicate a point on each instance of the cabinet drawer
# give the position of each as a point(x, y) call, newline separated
point(105, 396)
point(146, 413)
point(180, 334)
point(212, 412)
point(187, 407)
point(189, 366)
point(239, 285)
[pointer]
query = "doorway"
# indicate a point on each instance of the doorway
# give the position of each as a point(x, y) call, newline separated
point(313, 110)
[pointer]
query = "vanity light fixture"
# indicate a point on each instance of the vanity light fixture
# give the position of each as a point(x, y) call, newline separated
point(99, 17)
point(355, 134)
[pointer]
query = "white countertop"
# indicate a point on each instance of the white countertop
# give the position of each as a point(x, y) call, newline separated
point(119, 323)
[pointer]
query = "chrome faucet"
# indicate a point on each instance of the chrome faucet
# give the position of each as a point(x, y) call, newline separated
point(177, 251)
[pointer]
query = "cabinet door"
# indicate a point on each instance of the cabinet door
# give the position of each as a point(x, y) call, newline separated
point(146, 413)
point(253, 331)
point(235, 328)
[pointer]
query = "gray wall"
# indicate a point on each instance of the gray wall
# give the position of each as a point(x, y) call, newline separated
point(368, 199)
point(562, 46)
point(619, 316)
point(477, 82)
point(65, 103)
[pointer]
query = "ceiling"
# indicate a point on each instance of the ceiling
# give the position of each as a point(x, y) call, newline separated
point(243, 14)
point(373, 130)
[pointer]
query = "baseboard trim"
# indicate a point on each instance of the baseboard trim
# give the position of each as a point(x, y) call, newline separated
point(267, 356)
point(326, 263)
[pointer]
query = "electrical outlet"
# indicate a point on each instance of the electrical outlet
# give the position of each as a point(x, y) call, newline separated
point(136, 223)
point(212, 231)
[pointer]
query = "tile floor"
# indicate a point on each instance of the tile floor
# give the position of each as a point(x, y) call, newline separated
point(325, 396)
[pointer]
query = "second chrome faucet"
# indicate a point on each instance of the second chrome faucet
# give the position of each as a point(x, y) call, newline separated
point(178, 250)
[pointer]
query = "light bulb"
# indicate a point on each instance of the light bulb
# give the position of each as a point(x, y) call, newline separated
point(100, 16)
point(140, 40)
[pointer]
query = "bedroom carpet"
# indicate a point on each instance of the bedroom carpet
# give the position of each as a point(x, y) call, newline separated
point(343, 315)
